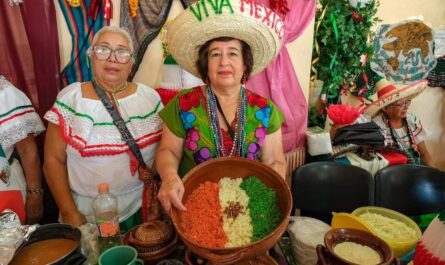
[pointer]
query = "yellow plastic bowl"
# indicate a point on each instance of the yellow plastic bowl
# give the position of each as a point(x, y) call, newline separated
point(399, 247)
point(347, 220)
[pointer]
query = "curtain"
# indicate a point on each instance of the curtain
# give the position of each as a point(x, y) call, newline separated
point(29, 50)
point(279, 81)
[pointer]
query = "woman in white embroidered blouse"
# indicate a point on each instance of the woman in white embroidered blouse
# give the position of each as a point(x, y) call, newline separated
point(84, 148)
point(20, 183)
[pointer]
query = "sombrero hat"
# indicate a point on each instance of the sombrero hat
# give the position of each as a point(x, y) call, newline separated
point(258, 26)
point(389, 93)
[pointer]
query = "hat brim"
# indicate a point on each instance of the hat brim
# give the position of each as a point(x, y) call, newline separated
point(402, 91)
point(185, 34)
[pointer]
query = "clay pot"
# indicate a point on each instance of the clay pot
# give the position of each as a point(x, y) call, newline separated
point(326, 255)
point(215, 169)
point(153, 240)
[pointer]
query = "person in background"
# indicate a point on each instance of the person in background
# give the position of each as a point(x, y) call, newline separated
point(400, 128)
point(20, 182)
point(84, 147)
point(221, 118)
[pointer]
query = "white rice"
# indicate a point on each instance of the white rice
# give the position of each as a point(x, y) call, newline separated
point(238, 230)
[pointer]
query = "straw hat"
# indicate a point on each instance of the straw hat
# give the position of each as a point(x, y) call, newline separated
point(258, 26)
point(389, 93)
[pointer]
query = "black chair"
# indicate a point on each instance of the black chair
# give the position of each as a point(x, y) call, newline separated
point(320, 188)
point(410, 189)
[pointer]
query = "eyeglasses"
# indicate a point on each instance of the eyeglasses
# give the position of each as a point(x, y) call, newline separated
point(102, 53)
point(402, 105)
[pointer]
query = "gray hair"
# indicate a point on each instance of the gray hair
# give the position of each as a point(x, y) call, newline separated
point(115, 29)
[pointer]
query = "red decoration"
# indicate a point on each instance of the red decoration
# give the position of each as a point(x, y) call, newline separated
point(134, 162)
point(343, 114)
point(279, 6)
point(108, 10)
point(357, 16)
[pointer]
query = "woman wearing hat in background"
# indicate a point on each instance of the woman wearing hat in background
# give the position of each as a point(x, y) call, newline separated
point(84, 147)
point(224, 46)
point(400, 128)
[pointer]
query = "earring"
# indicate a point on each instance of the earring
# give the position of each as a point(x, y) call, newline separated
point(207, 81)
point(244, 79)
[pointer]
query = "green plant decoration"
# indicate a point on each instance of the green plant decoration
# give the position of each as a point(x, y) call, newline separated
point(341, 48)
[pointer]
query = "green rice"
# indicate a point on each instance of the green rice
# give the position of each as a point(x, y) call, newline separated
point(263, 205)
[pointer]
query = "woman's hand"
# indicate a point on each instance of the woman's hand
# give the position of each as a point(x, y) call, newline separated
point(74, 218)
point(34, 207)
point(168, 155)
point(171, 192)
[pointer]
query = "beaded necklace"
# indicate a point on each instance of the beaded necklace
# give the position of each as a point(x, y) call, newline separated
point(215, 127)
point(411, 153)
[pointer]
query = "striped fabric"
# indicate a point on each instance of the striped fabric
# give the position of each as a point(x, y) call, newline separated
point(82, 28)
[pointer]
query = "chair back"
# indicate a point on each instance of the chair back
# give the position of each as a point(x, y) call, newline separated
point(410, 189)
point(320, 188)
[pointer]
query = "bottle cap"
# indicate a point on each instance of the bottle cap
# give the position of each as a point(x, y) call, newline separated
point(102, 187)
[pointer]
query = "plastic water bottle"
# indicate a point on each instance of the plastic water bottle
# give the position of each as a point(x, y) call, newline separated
point(107, 218)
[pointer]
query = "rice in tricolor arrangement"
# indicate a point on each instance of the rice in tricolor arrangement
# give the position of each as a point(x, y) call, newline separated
point(231, 213)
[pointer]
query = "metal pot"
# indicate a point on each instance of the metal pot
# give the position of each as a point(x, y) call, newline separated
point(52, 231)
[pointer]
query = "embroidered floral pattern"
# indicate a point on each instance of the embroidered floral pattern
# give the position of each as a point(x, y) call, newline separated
point(257, 100)
point(187, 118)
point(189, 100)
point(198, 138)
point(202, 155)
point(263, 115)
point(192, 138)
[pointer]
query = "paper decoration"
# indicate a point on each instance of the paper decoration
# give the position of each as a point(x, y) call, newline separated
point(74, 3)
point(403, 51)
point(343, 114)
point(358, 3)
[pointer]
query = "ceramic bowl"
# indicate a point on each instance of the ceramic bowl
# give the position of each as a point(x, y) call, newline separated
point(215, 169)
point(337, 236)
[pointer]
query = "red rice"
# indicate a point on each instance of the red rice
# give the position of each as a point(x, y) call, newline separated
point(202, 223)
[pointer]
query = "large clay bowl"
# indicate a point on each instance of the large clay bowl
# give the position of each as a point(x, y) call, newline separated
point(215, 169)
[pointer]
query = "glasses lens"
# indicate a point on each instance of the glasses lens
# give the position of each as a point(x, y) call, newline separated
point(101, 52)
point(400, 105)
point(122, 55)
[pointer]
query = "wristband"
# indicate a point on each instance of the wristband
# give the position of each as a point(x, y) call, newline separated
point(34, 190)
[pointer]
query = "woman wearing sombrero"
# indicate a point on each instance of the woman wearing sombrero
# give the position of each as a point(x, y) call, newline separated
point(223, 45)
point(400, 128)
